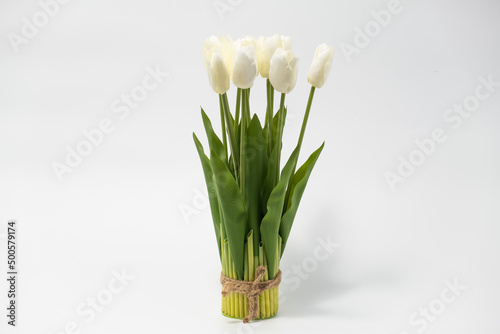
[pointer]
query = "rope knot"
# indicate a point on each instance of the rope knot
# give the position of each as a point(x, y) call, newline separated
point(251, 289)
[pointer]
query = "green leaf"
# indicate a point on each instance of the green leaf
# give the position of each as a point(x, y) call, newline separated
point(268, 186)
point(214, 141)
point(271, 167)
point(275, 123)
point(298, 185)
point(256, 162)
point(234, 214)
point(270, 225)
point(212, 195)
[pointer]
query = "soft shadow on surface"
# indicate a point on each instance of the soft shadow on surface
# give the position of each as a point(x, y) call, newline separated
point(319, 288)
point(323, 294)
point(304, 296)
point(316, 294)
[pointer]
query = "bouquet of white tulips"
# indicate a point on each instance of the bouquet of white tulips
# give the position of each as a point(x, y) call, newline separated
point(253, 200)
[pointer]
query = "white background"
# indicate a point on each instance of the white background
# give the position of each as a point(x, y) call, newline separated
point(120, 209)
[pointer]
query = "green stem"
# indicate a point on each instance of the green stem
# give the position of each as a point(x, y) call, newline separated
point(235, 305)
point(267, 297)
point(306, 117)
point(223, 124)
point(232, 137)
point(237, 112)
point(222, 228)
point(262, 298)
point(234, 296)
point(299, 144)
point(276, 291)
point(227, 271)
point(242, 142)
point(245, 277)
point(224, 271)
point(251, 259)
point(269, 116)
point(246, 101)
point(272, 99)
point(279, 139)
point(268, 93)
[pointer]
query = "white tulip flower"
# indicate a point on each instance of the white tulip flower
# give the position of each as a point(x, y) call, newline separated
point(267, 47)
point(218, 75)
point(321, 65)
point(216, 53)
point(244, 62)
point(283, 70)
point(223, 45)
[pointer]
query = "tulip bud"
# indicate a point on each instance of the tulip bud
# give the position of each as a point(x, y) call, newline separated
point(218, 75)
point(215, 54)
point(283, 70)
point(321, 65)
point(244, 62)
point(267, 47)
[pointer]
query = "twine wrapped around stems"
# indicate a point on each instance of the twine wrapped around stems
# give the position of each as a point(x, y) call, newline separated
point(251, 289)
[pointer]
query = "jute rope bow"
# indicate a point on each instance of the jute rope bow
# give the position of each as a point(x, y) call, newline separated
point(250, 289)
